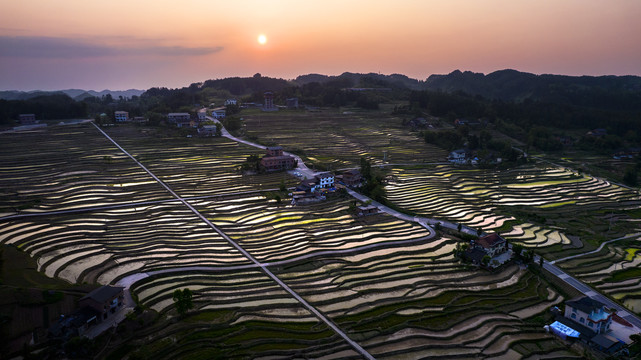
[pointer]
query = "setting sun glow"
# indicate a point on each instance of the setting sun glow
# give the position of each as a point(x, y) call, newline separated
point(262, 39)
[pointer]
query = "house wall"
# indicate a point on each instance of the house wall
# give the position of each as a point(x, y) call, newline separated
point(582, 318)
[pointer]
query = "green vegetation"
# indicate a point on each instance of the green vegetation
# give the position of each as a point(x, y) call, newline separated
point(183, 300)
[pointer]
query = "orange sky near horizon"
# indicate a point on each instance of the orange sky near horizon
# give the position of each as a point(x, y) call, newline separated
point(139, 44)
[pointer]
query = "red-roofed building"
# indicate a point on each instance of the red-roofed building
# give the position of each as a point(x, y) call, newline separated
point(275, 160)
point(492, 244)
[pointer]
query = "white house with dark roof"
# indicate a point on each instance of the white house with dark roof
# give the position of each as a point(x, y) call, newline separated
point(459, 156)
point(325, 180)
point(590, 313)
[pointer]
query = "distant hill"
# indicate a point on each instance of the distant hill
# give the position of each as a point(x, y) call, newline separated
point(364, 80)
point(76, 94)
point(512, 85)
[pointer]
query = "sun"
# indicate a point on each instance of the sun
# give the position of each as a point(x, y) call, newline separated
point(262, 39)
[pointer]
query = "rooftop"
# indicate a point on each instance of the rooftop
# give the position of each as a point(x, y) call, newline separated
point(588, 305)
point(104, 293)
point(490, 240)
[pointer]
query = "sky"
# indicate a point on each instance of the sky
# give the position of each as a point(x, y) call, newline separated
point(118, 45)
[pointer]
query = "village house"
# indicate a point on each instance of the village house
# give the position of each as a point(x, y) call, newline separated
point(105, 300)
point(202, 114)
point(460, 156)
point(121, 116)
point(269, 102)
point(492, 244)
point(207, 130)
point(325, 180)
point(75, 324)
point(27, 119)
point(367, 210)
point(589, 312)
point(275, 160)
point(352, 177)
point(231, 102)
point(292, 103)
point(321, 181)
point(588, 320)
point(219, 113)
point(180, 119)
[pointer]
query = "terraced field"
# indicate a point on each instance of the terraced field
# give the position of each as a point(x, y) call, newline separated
point(336, 140)
point(411, 302)
point(274, 233)
point(418, 302)
point(242, 314)
point(101, 246)
point(553, 206)
point(66, 167)
point(387, 283)
point(615, 271)
point(195, 166)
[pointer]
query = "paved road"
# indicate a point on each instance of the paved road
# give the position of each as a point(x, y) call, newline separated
point(426, 222)
point(263, 267)
point(301, 167)
point(590, 292)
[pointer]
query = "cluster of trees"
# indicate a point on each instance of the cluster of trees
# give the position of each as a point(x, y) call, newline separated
point(45, 107)
point(183, 300)
point(528, 120)
point(373, 182)
point(480, 142)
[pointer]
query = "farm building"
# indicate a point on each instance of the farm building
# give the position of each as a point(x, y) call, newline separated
point(587, 311)
point(588, 320)
point(27, 119)
point(275, 160)
point(207, 130)
point(180, 119)
point(269, 102)
point(121, 116)
point(492, 244)
point(105, 300)
point(367, 210)
point(292, 103)
point(219, 113)
point(75, 324)
point(352, 177)
point(325, 180)
point(460, 156)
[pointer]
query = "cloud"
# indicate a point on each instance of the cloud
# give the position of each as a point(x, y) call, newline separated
point(69, 48)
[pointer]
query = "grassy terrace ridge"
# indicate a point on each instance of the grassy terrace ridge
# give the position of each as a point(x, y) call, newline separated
point(615, 271)
point(550, 208)
point(101, 246)
point(65, 167)
point(385, 301)
point(195, 166)
point(414, 300)
point(335, 139)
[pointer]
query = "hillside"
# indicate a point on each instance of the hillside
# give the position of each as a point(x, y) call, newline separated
point(512, 85)
point(77, 94)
